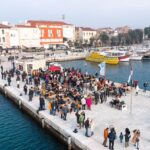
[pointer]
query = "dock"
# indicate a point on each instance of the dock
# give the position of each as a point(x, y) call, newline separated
point(102, 114)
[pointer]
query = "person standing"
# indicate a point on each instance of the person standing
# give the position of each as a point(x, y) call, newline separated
point(81, 120)
point(105, 136)
point(30, 94)
point(92, 126)
point(42, 103)
point(145, 86)
point(127, 137)
point(135, 140)
point(9, 80)
point(121, 137)
point(112, 137)
point(18, 81)
point(137, 90)
point(87, 125)
point(25, 89)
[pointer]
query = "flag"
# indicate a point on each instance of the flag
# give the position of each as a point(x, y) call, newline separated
point(131, 74)
point(102, 67)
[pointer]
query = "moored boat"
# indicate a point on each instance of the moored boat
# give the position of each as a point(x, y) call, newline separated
point(97, 57)
point(123, 56)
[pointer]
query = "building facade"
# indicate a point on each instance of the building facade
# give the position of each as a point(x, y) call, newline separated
point(29, 36)
point(4, 36)
point(69, 32)
point(85, 34)
point(51, 32)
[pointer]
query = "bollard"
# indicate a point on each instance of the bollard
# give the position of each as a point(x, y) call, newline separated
point(43, 123)
point(20, 104)
point(69, 143)
point(5, 93)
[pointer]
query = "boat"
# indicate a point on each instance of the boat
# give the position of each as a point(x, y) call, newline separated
point(146, 57)
point(97, 57)
point(135, 56)
point(123, 56)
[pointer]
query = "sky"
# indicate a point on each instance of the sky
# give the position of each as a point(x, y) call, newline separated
point(88, 13)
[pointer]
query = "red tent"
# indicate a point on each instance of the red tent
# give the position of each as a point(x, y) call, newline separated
point(54, 68)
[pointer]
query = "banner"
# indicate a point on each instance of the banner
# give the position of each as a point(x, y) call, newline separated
point(102, 67)
point(131, 74)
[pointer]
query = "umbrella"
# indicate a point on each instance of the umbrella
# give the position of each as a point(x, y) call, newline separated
point(54, 68)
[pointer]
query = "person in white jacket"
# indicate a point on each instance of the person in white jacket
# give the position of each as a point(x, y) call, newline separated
point(92, 127)
point(137, 90)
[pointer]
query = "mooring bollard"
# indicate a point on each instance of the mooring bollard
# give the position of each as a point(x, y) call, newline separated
point(69, 143)
point(20, 104)
point(43, 123)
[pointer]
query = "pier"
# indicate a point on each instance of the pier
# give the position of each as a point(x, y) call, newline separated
point(102, 114)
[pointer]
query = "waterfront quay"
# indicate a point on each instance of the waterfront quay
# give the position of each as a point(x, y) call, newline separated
point(103, 116)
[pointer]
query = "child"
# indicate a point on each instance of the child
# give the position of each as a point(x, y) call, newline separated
point(121, 137)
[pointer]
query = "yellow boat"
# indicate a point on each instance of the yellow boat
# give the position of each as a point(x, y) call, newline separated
point(96, 57)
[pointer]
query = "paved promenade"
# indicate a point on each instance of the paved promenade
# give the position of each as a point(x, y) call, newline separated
point(103, 116)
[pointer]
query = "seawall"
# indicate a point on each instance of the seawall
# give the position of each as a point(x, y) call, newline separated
point(49, 124)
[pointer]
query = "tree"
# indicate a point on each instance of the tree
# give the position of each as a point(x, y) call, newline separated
point(104, 38)
point(147, 32)
point(92, 41)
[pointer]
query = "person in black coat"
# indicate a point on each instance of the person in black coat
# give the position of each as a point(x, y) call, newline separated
point(30, 94)
point(112, 137)
point(42, 103)
point(25, 89)
point(9, 80)
point(127, 137)
point(87, 125)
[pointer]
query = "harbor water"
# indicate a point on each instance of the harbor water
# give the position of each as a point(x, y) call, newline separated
point(19, 132)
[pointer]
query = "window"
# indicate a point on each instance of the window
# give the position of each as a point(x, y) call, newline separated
point(42, 33)
point(50, 33)
point(3, 39)
point(58, 33)
point(2, 31)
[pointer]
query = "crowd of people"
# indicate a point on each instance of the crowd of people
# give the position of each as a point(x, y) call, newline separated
point(70, 91)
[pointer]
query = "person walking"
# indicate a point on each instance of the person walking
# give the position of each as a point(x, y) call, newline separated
point(127, 137)
point(87, 125)
point(112, 137)
point(105, 136)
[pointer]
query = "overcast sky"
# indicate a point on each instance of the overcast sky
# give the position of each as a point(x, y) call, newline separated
point(90, 13)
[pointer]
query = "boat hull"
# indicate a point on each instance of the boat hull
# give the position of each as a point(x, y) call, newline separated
point(124, 58)
point(95, 57)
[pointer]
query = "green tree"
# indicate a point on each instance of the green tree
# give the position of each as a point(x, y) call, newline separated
point(104, 38)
